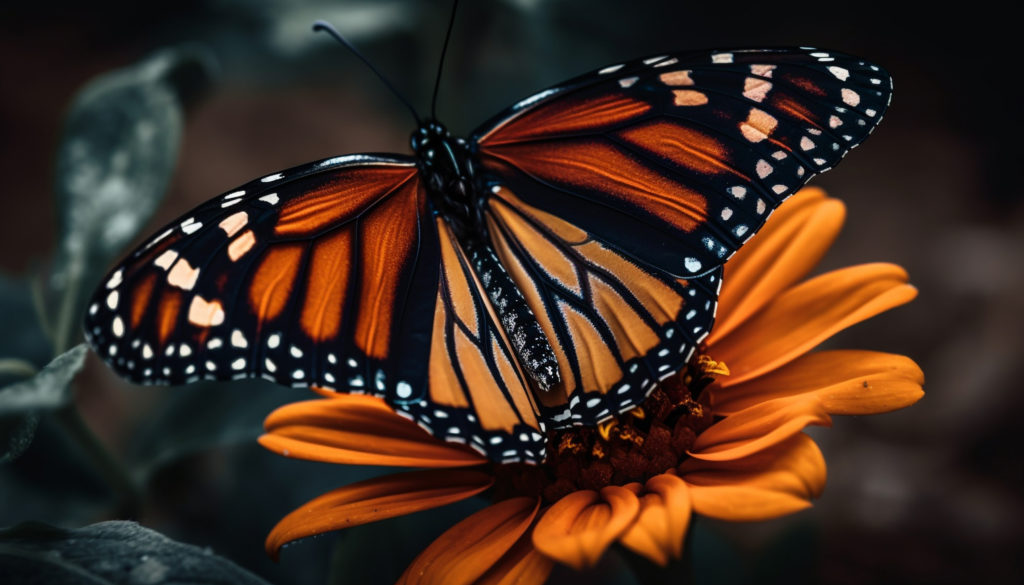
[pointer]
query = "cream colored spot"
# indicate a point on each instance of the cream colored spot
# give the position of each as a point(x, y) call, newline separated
point(241, 245)
point(779, 189)
point(762, 70)
point(870, 112)
point(117, 327)
point(628, 81)
point(650, 60)
point(238, 340)
point(234, 222)
point(271, 199)
point(147, 352)
point(667, 62)
point(112, 299)
point(763, 168)
point(850, 97)
point(689, 97)
point(756, 89)
point(166, 259)
point(203, 313)
point(758, 126)
point(738, 191)
point(834, 122)
point(840, 73)
point(676, 78)
point(115, 279)
point(779, 155)
point(721, 58)
point(182, 275)
point(806, 143)
point(610, 69)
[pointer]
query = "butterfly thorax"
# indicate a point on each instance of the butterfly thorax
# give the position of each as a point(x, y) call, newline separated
point(448, 171)
point(447, 168)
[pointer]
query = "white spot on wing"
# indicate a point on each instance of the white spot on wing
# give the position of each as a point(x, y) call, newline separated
point(610, 69)
point(271, 178)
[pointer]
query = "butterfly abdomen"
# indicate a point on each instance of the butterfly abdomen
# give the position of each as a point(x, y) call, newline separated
point(448, 169)
point(515, 316)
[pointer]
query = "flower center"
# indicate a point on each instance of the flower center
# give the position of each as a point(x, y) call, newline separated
point(630, 447)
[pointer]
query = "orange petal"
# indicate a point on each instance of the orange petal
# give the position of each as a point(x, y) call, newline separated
point(522, 565)
point(578, 528)
point(809, 313)
point(758, 428)
point(376, 499)
point(846, 382)
point(772, 483)
point(467, 550)
point(661, 524)
point(789, 245)
point(354, 430)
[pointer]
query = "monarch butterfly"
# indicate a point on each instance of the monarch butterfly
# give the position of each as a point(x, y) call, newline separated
point(547, 271)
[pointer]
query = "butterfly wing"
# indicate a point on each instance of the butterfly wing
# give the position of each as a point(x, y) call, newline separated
point(616, 197)
point(616, 327)
point(677, 160)
point(478, 393)
point(320, 275)
point(336, 274)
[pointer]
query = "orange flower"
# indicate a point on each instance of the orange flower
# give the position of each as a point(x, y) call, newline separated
point(722, 439)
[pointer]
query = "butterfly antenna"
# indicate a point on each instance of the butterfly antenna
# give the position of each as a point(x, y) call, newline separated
point(440, 65)
point(326, 27)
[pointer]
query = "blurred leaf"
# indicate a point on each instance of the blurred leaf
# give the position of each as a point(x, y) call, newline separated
point(21, 401)
point(22, 336)
point(199, 417)
point(46, 390)
point(110, 553)
point(116, 157)
point(16, 434)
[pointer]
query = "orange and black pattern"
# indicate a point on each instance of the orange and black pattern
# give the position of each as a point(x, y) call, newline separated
point(311, 276)
point(545, 272)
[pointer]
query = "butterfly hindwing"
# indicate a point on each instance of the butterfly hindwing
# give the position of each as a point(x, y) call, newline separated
point(477, 391)
point(678, 159)
point(616, 326)
point(319, 275)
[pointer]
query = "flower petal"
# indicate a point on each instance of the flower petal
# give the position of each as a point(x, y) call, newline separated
point(661, 523)
point(846, 382)
point(578, 528)
point(758, 428)
point(467, 550)
point(789, 245)
point(809, 313)
point(358, 430)
point(376, 499)
point(772, 483)
point(522, 565)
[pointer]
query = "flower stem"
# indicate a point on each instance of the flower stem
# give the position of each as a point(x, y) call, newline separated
point(129, 497)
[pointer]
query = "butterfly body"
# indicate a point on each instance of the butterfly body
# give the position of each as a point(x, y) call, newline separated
point(544, 272)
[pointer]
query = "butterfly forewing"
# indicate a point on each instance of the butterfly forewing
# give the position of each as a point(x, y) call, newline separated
point(677, 160)
point(320, 275)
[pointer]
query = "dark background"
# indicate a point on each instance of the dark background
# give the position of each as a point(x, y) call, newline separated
point(930, 494)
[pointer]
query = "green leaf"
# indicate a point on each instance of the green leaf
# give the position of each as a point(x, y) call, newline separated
point(199, 417)
point(46, 390)
point(117, 154)
point(110, 553)
point(21, 402)
point(16, 434)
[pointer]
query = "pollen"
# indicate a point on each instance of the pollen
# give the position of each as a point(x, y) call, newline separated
point(631, 447)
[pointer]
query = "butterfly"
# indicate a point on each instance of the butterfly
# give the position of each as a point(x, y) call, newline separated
point(545, 272)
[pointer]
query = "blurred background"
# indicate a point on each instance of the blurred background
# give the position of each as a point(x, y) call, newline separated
point(931, 494)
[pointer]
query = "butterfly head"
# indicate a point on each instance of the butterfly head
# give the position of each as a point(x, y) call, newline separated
point(446, 165)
